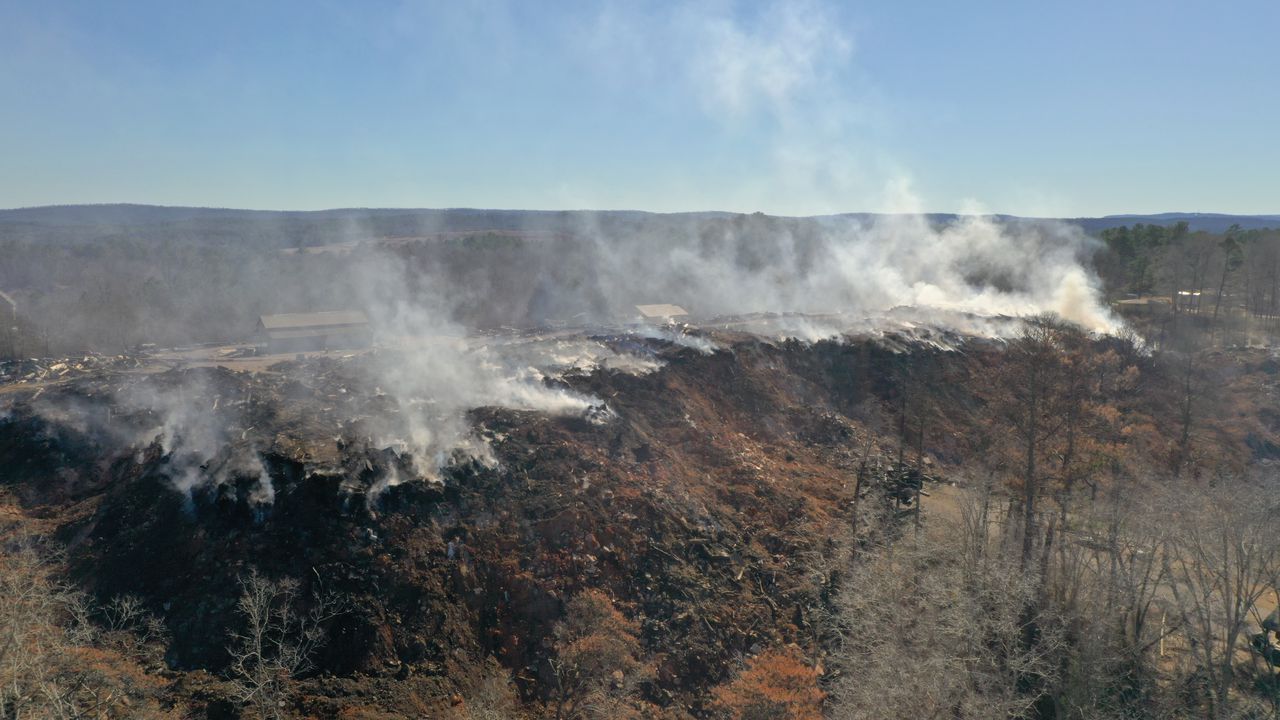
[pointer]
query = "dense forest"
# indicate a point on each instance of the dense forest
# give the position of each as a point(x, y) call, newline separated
point(1227, 282)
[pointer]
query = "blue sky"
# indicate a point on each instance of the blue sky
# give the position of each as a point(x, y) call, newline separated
point(1055, 109)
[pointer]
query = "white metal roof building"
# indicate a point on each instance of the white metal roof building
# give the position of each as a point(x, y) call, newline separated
point(662, 313)
point(300, 332)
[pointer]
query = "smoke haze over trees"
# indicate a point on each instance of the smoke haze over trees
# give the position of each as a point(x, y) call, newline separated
point(203, 277)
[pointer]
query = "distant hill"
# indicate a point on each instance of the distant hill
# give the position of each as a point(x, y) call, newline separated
point(83, 223)
point(128, 214)
point(1209, 222)
point(89, 222)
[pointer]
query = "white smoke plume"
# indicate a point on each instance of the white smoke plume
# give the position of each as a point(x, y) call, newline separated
point(852, 265)
point(196, 427)
point(436, 374)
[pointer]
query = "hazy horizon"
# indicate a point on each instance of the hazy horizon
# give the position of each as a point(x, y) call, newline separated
point(473, 208)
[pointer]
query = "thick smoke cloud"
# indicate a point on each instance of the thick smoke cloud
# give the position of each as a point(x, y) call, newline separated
point(835, 274)
point(859, 267)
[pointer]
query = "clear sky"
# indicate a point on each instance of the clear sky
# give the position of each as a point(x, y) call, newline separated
point(1034, 108)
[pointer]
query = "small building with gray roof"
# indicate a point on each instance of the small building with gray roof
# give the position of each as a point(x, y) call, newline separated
point(304, 332)
point(662, 313)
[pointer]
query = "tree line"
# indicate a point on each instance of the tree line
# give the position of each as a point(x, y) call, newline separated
point(1225, 286)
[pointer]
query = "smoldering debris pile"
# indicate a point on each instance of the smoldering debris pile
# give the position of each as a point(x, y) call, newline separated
point(217, 428)
point(902, 327)
point(44, 370)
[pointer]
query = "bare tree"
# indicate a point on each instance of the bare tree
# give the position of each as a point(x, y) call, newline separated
point(29, 602)
point(55, 663)
point(1032, 404)
point(1221, 558)
point(932, 627)
point(1232, 258)
point(492, 698)
point(1104, 583)
point(278, 641)
point(597, 664)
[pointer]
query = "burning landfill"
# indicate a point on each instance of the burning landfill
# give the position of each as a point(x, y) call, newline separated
point(586, 430)
point(213, 423)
